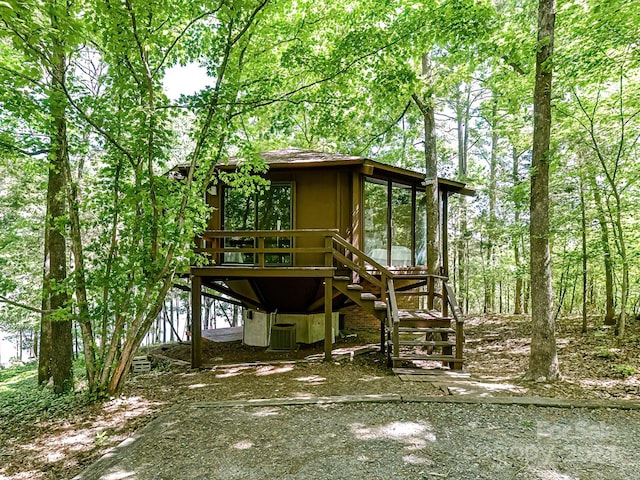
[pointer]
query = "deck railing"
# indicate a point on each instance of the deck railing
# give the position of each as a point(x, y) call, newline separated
point(262, 248)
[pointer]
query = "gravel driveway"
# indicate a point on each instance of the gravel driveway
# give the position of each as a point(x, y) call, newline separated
point(379, 440)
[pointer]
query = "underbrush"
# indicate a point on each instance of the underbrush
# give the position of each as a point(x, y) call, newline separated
point(22, 401)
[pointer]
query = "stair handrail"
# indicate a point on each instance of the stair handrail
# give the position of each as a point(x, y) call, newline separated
point(455, 308)
point(457, 314)
point(359, 269)
point(385, 273)
point(382, 269)
point(394, 320)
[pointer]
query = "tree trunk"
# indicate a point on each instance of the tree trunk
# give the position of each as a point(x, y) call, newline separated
point(56, 359)
point(44, 358)
point(462, 117)
point(517, 296)
point(622, 251)
point(431, 170)
point(583, 218)
point(573, 295)
point(490, 299)
point(610, 314)
point(82, 316)
point(138, 329)
point(562, 286)
point(489, 288)
point(543, 360)
point(171, 319)
point(36, 343)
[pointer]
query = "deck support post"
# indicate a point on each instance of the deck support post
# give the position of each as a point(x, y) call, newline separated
point(383, 298)
point(356, 221)
point(328, 318)
point(196, 321)
point(445, 250)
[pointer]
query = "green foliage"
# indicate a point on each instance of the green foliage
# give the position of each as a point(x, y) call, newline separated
point(604, 351)
point(625, 370)
point(21, 212)
point(22, 401)
point(101, 438)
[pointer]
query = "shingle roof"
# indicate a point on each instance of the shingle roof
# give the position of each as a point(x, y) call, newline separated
point(292, 155)
point(301, 158)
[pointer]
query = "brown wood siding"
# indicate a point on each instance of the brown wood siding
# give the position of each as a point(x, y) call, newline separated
point(345, 203)
point(316, 199)
point(215, 222)
point(316, 207)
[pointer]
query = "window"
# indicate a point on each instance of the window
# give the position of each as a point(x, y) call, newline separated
point(394, 223)
point(375, 221)
point(401, 226)
point(269, 210)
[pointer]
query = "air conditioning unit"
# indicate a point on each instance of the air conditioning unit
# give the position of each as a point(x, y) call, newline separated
point(283, 336)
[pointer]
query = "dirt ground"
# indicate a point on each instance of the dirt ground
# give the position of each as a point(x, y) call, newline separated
point(592, 365)
point(379, 440)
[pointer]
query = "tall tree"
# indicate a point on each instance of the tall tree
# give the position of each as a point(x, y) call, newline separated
point(462, 107)
point(543, 360)
point(516, 238)
point(610, 314)
point(492, 227)
point(427, 108)
point(583, 224)
point(56, 339)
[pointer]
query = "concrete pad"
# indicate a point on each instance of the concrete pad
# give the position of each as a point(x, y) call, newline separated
point(221, 335)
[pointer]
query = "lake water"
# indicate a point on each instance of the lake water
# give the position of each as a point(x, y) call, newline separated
point(7, 349)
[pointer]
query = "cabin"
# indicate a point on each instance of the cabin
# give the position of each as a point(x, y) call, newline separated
point(332, 233)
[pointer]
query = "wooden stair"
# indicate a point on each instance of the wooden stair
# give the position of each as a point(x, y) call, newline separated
point(424, 335)
point(414, 335)
point(355, 292)
point(405, 335)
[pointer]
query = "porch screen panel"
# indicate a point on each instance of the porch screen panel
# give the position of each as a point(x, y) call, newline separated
point(375, 221)
point(401, 228)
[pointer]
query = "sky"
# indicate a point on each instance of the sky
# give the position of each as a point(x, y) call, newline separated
point(185, 80)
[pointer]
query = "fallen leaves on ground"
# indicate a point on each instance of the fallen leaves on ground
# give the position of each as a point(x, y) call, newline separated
point(593, 365)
